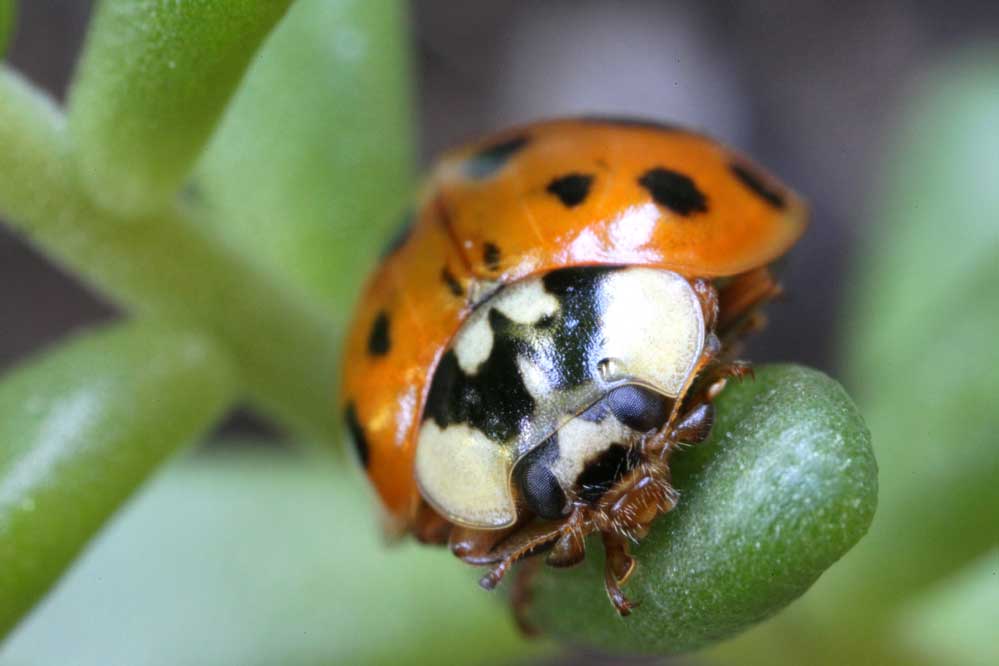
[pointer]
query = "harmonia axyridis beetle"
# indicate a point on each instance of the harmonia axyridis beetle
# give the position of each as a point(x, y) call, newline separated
point(551, 325)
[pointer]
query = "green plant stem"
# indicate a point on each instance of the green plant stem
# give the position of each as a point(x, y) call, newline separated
point(80, 428)
point(8, 19)
point(312, 181)
point(151, 85)
point(253, 557)
point(164, 264)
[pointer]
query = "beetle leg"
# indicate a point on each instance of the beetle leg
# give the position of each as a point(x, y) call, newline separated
point(476, 546)
point(630, 507)
point(695, 426)
point(618, 567)
point(536, 538)
point(626, 512)
point(570, 549)
point(716, 378)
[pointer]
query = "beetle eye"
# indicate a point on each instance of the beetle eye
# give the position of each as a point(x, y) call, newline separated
point(539, 487)
point(639, 408)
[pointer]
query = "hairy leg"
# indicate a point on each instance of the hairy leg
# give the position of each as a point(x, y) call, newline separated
point(504, 548)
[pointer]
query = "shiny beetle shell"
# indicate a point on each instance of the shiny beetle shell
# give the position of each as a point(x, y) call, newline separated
point(500, 215)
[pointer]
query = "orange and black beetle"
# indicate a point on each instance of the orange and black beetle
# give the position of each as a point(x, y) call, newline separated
point(553, 323)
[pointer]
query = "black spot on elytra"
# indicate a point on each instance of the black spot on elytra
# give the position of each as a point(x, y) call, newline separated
point(452, 282)
point(494, 400)
point(491, 159)
point(378, 338)
point(491, 255)
point(357, 434)
point(630, 121)
point(758, 185)
point(601, 474)
point(674, 190)
point(571, 189)
point(401, 235)
point(639, 408)
point(538, 486)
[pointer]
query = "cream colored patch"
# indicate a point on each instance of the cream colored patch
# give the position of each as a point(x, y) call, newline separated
point(465, 475)
point(474, 342)
point(653, 327)
point(534, 378)
point(581, 441)
point(524, 303)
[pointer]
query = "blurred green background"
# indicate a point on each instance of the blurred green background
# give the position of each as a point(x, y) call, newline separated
point(248, 549)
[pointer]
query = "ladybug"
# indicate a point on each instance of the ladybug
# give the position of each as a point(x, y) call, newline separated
point(550, 327)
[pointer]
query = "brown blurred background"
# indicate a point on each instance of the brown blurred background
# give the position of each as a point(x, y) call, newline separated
point(810, 89)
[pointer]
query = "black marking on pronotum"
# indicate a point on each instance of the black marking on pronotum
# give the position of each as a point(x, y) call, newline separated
point(491, 159)
point(491, 255)
point(674, 190)
point(630, 121)
point(452, 282)
point(601, 474)
point(571, 189)
point(758, 185)
point(576, 330)
point(378, 339)
point(494, 400)
point(401, 234)
point(357, 434)
point(539, 487)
